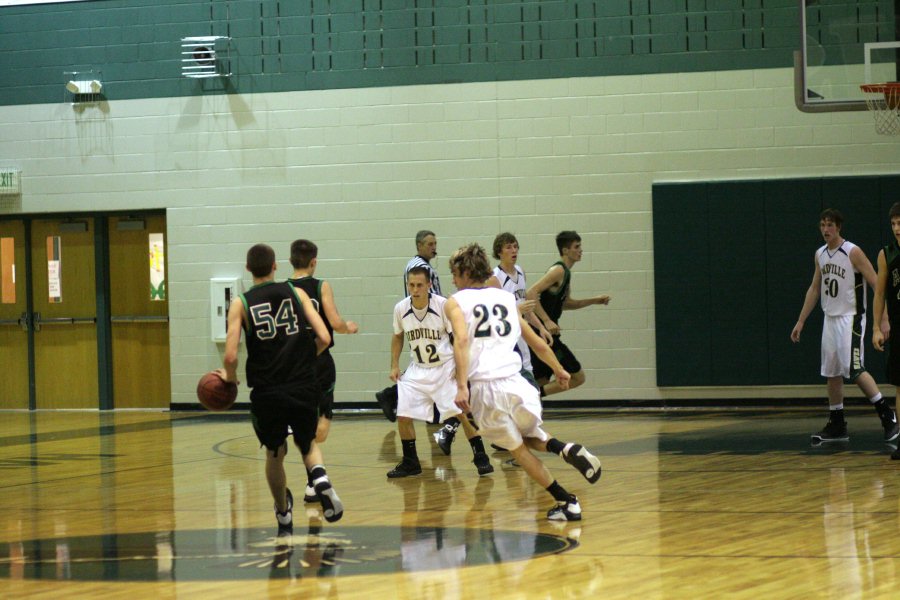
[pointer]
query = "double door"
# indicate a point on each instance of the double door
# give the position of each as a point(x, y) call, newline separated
point(84, 312)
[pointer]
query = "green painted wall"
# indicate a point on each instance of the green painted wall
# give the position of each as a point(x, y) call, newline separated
point(281, 45)
point(732, 263)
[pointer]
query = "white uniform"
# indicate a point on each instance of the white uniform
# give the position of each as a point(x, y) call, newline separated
point(430, 377)
point(506, 407)
point(843, 300)
point(516, 286)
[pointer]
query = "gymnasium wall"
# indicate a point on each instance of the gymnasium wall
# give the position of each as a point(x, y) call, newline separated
point(360, 170)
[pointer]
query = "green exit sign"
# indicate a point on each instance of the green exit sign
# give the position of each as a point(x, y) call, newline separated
point(9, 181)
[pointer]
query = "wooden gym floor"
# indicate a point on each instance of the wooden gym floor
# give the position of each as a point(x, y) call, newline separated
point(691, 505)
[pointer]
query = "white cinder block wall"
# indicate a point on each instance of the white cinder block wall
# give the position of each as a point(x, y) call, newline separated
point(360, 171)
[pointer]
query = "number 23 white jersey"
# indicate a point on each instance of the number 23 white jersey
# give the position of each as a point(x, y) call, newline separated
point(426, 330)
point(843, 287)
point(493, 325)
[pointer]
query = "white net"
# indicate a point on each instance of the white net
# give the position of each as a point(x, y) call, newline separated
point(883, 100)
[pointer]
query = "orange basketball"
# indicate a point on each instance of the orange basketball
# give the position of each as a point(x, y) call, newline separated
point(215, 393)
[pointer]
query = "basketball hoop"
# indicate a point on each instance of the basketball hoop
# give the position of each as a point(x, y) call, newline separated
point(883, 100)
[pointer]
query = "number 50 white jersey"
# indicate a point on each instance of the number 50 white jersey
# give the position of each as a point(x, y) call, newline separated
point(493, 324)
point(843, 287)
point(426, 330)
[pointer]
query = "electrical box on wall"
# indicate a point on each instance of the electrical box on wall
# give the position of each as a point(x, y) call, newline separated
point(222, 290)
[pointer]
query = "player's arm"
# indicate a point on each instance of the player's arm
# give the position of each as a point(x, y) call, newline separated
point(457, 320)
point(878, 335)
point(809, 302)
point(323, 339)
point(228, 372)
point(331, 312)
point(396, 349)
point(553, 276)
point(540, 347)
point(533, 320)
point(571, 303)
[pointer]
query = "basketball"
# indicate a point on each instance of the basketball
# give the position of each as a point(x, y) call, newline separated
point(214, 393)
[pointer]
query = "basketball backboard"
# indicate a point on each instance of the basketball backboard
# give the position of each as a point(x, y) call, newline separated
point(845, 43)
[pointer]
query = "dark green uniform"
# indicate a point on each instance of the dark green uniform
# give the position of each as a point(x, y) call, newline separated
point(281, 353)
point(552, 302)
point(325, 371)
point(892, 300)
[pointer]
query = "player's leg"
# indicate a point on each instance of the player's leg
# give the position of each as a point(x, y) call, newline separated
point(303, 414)
point(885, 413)
point(332, 507)
point(548, 389)
point(271, 428)
point(570, 364)
point(836, 333)
point(387, 400)
point(413, 403)
point(322, 429)
point(410, 464)
point(575, 454)
point(867, 384)
point(567, 507)
point(277, 480)
point(479, 456)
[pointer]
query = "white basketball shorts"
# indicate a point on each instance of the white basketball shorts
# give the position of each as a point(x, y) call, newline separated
point(421, 387)
point(507, 410)
point(842, 346)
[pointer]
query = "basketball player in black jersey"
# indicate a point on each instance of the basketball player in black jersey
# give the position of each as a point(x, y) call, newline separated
point(887, 290)
point(283, 335)
point(304, 259)
point(553, 294)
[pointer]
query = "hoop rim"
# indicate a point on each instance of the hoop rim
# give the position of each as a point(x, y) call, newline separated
point(881, 88)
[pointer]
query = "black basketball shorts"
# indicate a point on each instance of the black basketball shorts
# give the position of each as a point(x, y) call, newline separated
point(563, 355)
point(274, 409)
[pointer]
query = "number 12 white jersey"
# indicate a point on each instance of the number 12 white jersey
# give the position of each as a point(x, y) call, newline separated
point(426, 330)
point(493, 324)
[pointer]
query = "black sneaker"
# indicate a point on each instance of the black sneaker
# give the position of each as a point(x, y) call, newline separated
point(896, 454)
point(406, 468)
point(565, 511)
point(832, 432)
point(891, 428)
point(586, 463)
point(483, 463)
point(286, 520)
point(387, 400)
point(332, 507)
point(444, 437)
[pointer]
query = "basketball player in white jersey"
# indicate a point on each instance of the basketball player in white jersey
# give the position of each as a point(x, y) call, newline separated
point(840, 276)
point(486, 326)
point(509, 276)
point(429, 380)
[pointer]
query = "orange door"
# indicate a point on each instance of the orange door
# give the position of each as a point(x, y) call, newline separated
point(139, 308)
point(65, 314)
point(13, 331)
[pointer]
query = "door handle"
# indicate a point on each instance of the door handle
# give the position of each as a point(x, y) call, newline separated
point(139, 319)
point(22, 321)
point(39, 321)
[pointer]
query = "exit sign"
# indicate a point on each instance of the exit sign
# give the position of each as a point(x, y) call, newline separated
point(9, 181)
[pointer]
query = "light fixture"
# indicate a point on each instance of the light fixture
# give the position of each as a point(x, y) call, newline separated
point(84, 86)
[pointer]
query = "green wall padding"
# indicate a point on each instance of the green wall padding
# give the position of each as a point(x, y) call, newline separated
point(732, 263)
